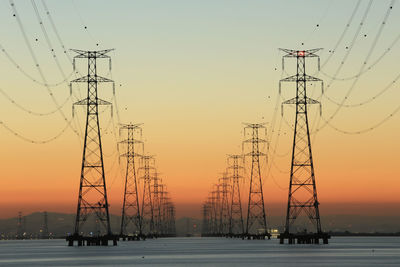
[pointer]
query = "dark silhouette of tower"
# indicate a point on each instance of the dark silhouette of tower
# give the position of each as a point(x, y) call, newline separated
point(156, 197)
point(256, 225)
point(45, 229)
point(20, 227)
point(236, 225)
point(147, 204)
point(302, 188)
point(216, 198)
point(130, 207)
point(224, 207)
point(171, 219)
point(92, 200)
point(163, 210)
point(205, 226)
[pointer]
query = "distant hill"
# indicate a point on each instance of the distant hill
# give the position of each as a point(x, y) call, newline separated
point(60, 224)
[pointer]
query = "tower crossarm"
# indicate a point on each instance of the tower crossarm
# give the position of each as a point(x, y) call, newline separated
point(91, 78)
point(295, 101)
point(86, 54)
point(295, 78)
point(300, 53)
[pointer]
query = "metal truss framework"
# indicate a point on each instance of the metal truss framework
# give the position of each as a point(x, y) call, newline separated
point(256, 217)
point(302, 196)
point(147, 219)
point(130, 208)
point(92, 200)
point(236, 225)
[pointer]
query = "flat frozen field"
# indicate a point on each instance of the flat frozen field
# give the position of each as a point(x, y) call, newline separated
point(342, 251)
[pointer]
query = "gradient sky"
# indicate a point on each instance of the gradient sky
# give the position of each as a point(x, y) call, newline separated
point(192, 72)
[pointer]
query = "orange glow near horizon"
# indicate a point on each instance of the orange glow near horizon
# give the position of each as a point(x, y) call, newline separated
point(193, 73)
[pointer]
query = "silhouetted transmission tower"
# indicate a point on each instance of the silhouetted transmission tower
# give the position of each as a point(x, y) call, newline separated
point(147, 203)
point(156, 199)
point(20, 227)
point(92, 200)
point(256, 225)
point(236, 225)
point(45, 230)
point(130, 207)
point(302, 188)
point(205, 225)
point(225, 210)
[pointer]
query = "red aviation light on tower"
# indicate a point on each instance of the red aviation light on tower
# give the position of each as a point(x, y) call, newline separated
point(300, 53)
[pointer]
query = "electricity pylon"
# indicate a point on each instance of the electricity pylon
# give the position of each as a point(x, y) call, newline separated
point(92, 200)
point(147, 218)
point(20, 227)
point(156, 197)
point(256, 225)
point(302, 188)
point(236, 225)
point(205, 226)
point(45, 229)
point(216, 200)
point(171, 218)
point(224, 208)
point(130, 207)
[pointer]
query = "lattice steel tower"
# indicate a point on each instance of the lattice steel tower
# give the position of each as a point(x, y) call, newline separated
point(130, 207)
point(256, 225)
point(156, 198)
point(205, 225)
point(225, 210)
point(147, 204)
point(236, 225)
point(92, 200)
point(45, 230)
point(20, 227)
point(302, 188)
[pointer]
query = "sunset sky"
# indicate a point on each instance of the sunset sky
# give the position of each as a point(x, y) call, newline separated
point(193, 72)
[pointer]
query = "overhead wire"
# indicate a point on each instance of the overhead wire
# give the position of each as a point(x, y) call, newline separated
point(85, 27)
point(340, 105)
point(36, 141)
point(369, 54)
point(25, 73)
point(19, 22)
point(29, 111)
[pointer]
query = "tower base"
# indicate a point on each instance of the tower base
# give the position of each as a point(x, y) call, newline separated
point(91, 240)
point(304, 238)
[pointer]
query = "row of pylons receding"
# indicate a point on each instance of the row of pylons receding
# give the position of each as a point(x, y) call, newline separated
point(222, 210)
point(146, 213)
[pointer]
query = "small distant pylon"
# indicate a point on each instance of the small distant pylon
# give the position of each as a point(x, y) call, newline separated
point(45, 230)
point(236, 225)
point(156, 197)
point(215, 200)
point(130, 207)
point(163, 211)
point(224, 208)
point(256, 225)
point(20, 227)
point(302, 187)
point(147, 217)
point(171, 219)
point(205, 226)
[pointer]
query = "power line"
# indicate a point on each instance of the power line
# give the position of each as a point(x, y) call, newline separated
point(374, 43)
point(85, 27)
point(31, 112)
point(26, 74)
point(365, 130)
point(340, 105)
point(35, 141)
point(19, 22)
